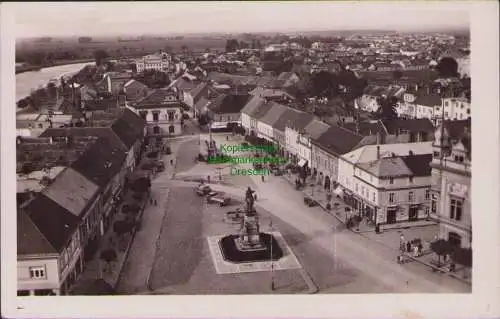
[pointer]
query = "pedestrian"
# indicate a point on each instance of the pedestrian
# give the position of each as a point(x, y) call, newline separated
point(156, 203)
point(151, 200)
point(420, 248)
point(227, 137)
point(262, 177)
point(408, 247)
point(255, 197)
point(172, 162)
point(415, 251)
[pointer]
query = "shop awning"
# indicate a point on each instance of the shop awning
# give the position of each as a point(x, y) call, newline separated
point(302, 162)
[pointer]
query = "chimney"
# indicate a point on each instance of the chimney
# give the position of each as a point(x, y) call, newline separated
point(378, 151)
point(410, 153)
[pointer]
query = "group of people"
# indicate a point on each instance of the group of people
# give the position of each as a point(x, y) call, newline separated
point(413, 247)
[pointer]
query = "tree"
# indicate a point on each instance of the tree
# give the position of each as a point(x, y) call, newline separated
point(52, 90)
point(442, 248)
point(325, 84)
point(447, 67)
point(141, 185)
point(100, 56)
point(23, 103)
point(387, 108)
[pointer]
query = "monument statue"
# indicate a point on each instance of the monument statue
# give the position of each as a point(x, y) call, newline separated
point(249, 238)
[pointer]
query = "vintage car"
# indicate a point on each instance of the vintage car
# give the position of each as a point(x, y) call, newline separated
point(219, 198)
point(310, 202)
point(203, 190)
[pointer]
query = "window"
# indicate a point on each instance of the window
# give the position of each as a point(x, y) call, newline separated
point(411, 196)
point(356, 187)
point(37, 272)
point(436, 154)
point(446, 114)
point(468, 111)
point(391, 180)
point(455, 209)
point(434, 204)
point(171, 129)
point(391, 197)
point(427, 193)
point(373, 196)
point(171, 116)
point(156, 116)
point(411, 179)
point(459, 159)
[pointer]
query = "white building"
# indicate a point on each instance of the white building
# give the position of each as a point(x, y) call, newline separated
point(298, 138)
point(455, 109)
point(387, 183)
point(162, 111)
point(451, 180)
point(158, 62)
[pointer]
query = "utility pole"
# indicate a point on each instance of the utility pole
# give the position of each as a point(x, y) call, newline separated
point(272, 261)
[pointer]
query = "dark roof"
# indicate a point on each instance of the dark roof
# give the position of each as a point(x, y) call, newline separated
point(124, 132)
point(158, 98)
point(301, 121)
point(338, 140)
point(365, 128)
point(105, 132)
point(262, 110)
point(412, 125)
point(136, 123)
point(30, 240)
point(274, 114)
point(286, 119)
point(418, 164)
point(100, 162)
point(428, 99)
point(253, 105)
point(229, 103)
point(54, 222)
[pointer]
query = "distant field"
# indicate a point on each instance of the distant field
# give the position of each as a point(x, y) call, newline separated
point(130, 48)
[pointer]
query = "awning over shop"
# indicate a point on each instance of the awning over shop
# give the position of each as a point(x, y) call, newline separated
point(302, 162)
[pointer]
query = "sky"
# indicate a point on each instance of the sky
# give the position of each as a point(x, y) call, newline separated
point(136, 18)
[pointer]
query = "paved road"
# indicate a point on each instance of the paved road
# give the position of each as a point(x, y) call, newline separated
point(346, 249)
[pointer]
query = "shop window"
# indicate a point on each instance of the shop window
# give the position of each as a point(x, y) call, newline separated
point(391, 180)
point(456, 209)
point(37, 272)
point(23, 292)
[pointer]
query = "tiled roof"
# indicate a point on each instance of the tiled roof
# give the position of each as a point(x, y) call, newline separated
point(253, 105)
point(229, 103)
point(316, 128)
point(100, 162)
point(72, 191)
point(105, 132)
point(301, 121)
point(262, 110)
point(30, 240)
point(274, 114)
point(387, 167)
point(285, 119)
point(337, 140)
point(428, 99)
point(368, 153)
point(53, 221)
point(125, 133)
point(419, 164)
point(412, 125)
point(366, 128)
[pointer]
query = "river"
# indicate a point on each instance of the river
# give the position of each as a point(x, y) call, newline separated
point(27, 81)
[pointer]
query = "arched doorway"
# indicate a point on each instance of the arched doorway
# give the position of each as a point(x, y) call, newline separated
point(327, 182)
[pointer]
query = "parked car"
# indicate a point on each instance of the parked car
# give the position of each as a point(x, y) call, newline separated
point(310, 202)
point(203, 190)
point(220, 199)
point(278, 172)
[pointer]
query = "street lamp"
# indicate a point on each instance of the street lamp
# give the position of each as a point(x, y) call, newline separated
point(272, 261)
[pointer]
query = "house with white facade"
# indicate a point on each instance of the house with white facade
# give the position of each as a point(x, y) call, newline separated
point(162, 112)
point(300, 139)
point(387, 183)
point(369, 100)
point(455, 109)
point(249, 114)
point(293, 129)
point(265, 123)
point(451, 179)
point(158, 62)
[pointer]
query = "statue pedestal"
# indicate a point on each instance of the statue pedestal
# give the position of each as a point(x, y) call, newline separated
point(249, 238)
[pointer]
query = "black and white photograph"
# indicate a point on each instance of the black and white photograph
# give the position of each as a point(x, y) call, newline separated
point(249, 149)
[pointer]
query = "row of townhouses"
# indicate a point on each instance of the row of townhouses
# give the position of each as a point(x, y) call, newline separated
point(386, 170)
point(69, 182)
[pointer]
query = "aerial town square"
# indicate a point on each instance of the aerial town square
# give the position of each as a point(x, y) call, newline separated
point(245, 161)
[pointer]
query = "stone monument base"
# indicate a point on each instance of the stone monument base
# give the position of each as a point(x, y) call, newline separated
point(233, 250)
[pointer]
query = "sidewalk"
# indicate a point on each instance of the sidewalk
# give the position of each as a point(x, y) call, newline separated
point(96, 268)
